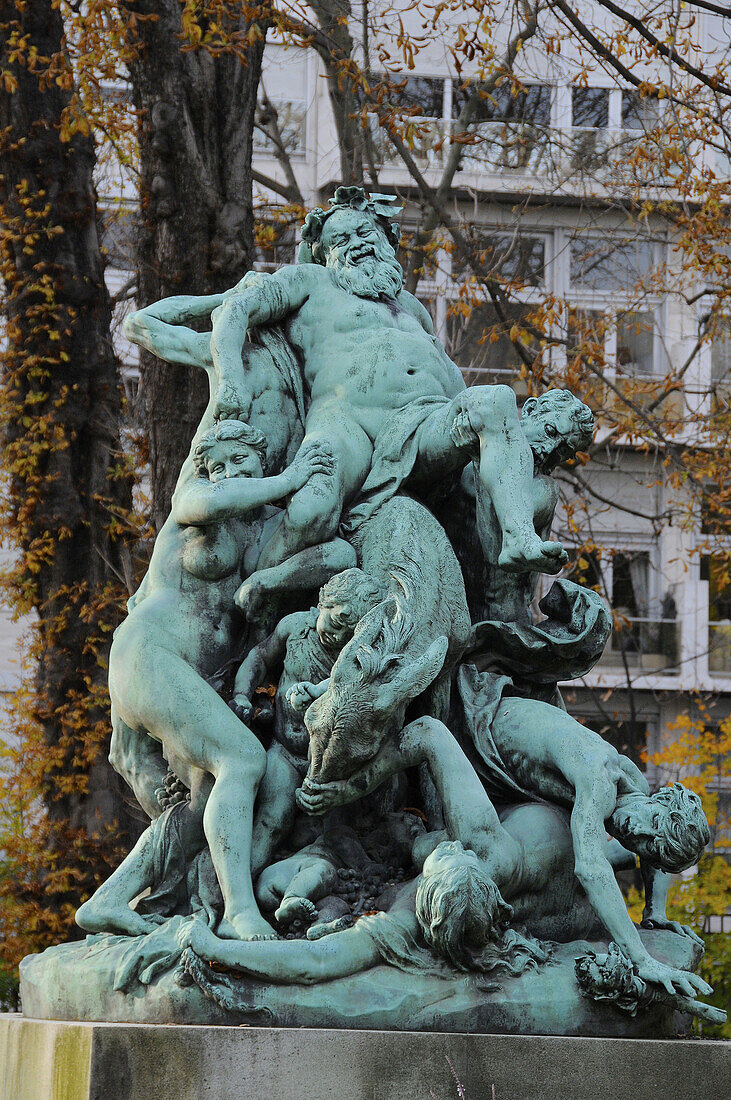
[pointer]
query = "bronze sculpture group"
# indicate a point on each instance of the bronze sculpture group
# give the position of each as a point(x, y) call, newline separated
point(381, 774)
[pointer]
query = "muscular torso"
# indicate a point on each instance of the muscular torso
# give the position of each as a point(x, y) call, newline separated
point(372, 357)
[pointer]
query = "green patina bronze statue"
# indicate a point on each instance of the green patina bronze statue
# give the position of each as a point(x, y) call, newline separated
point(365, 808)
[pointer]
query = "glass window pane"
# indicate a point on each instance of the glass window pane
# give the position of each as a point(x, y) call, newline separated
point(506, 103)
point(586, 332)
point(609, 263)
point(420, 95)
point(590, 107)
point(514, 257)
point(721, 351)
point(639, 112)
point(480, 344)
point(635, 343)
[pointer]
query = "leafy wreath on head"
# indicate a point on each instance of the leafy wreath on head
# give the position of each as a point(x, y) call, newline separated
point(380, 207)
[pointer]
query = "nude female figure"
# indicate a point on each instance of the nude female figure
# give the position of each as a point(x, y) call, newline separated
point(183, 625)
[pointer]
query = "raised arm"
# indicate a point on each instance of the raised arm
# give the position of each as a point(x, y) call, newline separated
point(200, 501)
point(161, 328)
point(259, 301)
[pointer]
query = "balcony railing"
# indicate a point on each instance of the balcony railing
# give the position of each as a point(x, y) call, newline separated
point(644, 645)
point(719, 648)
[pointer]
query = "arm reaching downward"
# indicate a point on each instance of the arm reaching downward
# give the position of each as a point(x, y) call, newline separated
point(470, 817)
point(259, 301)
point(595, 801)
point(259, 661)
point(303, 962)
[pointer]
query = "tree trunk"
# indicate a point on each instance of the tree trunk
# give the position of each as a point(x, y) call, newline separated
point(62, 408)
point(196, 131)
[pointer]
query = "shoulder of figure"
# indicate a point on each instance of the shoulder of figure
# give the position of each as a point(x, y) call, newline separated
point(292, 624)
point(413, 306)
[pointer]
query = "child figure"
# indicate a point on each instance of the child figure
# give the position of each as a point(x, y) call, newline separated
point(305, 646)
point(291, 886)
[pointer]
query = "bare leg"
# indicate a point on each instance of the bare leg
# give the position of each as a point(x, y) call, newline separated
point(313, 514)
point(315, 878)
point(140, 762)
point(108, 910)
point(160, 692)
point(308, 569)
point(275, 808)
point(485, 419)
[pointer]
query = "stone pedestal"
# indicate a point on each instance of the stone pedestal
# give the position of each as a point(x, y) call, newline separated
point(51, 1060)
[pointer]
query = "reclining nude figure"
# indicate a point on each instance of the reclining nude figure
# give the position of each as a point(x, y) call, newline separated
point(551, 756)
point(183, 625)
point(383, 394)
point(491, 872)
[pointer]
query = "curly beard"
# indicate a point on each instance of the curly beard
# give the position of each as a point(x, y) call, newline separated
point(370, 277)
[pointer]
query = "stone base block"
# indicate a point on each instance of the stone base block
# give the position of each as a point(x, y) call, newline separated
point(52, 1060)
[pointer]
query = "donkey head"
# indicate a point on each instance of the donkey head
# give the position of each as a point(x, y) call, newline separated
point(371, 685)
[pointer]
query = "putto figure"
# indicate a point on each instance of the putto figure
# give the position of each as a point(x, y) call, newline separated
point(422, 795)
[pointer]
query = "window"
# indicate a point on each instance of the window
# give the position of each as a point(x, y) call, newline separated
point(507, 103)
point(119, 228)
point(274, 244)
point(480, 344)
point(639, 112)
point(515, 257)
point(721, 351)
point(609, 263)
point(289, 116)
point(590, 107)
point(418, 95)
point(630, 583)
point(586, 335)
point(635, 343)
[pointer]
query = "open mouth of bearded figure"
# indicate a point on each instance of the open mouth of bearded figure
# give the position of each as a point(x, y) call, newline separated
point(364, 252)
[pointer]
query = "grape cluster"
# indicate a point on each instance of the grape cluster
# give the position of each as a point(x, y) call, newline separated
point(172, 791)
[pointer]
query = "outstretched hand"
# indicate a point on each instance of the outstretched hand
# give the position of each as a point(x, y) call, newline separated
point(673, 926)
point(317, 798)
point(674, 980)
point(242, 707)
point(313, 458)
point(301, 694)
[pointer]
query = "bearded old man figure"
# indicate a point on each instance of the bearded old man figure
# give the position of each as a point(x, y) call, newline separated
point(383, 395)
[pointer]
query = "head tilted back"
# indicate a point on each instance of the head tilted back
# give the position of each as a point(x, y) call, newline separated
point(380, 208)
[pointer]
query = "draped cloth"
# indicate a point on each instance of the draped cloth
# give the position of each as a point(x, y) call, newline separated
point(395, 453)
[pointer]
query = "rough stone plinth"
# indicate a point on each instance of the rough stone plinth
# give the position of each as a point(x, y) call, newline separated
point(47, 1060)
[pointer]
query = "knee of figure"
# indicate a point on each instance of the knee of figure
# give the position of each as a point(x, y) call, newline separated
point(485, 402)
point(314, 520)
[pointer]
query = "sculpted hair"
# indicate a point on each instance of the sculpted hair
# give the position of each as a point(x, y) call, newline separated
point(682, 828)
point(223, 432)
point(356, 588)
point(463, 918)
point(582, 417)
point(380, 208)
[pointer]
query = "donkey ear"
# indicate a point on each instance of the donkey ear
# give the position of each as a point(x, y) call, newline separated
point(416, 676)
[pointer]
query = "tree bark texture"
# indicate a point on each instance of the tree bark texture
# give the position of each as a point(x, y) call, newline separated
point(197, 236)
point(62, 413)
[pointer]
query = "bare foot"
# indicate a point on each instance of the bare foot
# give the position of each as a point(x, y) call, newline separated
point(246, 926)
point(317, 931)
point(98, 916)
point(293, 909)
point(529, 553)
